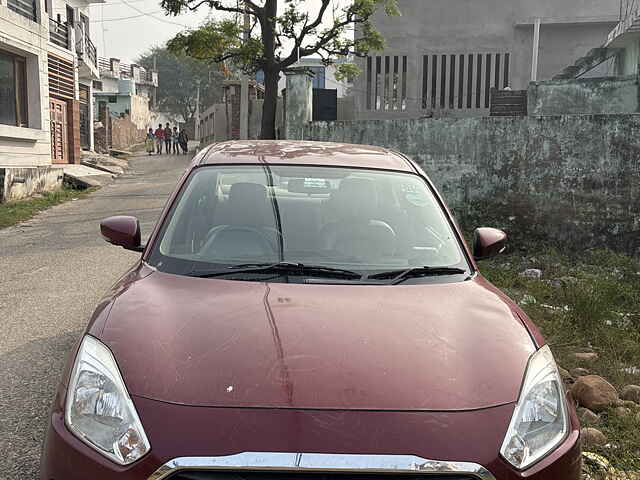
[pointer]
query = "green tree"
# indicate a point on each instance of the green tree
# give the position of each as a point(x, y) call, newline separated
point(275, 40)
point(178, 77)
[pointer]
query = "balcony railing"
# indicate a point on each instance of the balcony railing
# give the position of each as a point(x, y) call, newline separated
point(146, 76)
point(86, 49)
point(90, 51)
point(113, 68)
point(26, 8)
point(59, 33)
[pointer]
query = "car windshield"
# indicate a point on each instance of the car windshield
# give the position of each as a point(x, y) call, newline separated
point(366, 221)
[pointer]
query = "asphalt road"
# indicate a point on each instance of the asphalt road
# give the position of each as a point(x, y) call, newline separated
point(53, 270)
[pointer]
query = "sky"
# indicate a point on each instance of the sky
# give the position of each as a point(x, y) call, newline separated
point(125, 29)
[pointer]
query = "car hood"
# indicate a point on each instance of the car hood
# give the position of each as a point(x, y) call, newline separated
point(212, 342)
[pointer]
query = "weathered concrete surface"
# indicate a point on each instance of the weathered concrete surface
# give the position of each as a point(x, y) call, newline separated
point(298, 102)
point(17, 183)
point(571, 181)
point(54, 269)
point(570, 28)
point(584, 96)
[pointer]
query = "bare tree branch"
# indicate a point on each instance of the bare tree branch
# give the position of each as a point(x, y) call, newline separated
point(218, 5)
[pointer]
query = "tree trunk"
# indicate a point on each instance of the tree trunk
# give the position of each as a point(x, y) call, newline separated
point(268, 127)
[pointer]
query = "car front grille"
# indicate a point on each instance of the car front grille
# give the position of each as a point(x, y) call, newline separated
point(244, 475)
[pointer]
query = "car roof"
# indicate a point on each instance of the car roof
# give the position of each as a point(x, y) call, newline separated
point(282, 152)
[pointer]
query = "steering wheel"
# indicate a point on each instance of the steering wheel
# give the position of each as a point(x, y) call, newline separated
point(261, 238)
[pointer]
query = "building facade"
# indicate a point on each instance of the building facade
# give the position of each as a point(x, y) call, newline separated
point(24, 94)
point(72, 67)
point(442, 58)
point(624, 43)
point(126, 89)
point(47, 63)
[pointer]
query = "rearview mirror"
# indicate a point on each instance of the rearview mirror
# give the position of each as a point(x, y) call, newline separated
point(123, 231)
point(488, 242)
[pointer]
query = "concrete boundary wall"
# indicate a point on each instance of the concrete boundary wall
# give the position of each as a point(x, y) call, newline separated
point(18, 183)
point(590, 96)
point(570, 181)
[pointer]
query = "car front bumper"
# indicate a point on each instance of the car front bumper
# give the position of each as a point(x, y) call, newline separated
point(203, 438)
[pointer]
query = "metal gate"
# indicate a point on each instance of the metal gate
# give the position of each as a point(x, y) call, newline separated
point(59, 143)
point(325, 104)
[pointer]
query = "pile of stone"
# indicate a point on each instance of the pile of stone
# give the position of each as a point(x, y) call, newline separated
point(595, 396)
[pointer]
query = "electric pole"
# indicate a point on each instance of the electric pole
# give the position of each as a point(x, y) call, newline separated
point(197, 115)
point(244, 85)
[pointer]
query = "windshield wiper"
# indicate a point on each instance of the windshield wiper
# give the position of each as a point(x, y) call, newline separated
point(282, 267)
point(398, 276)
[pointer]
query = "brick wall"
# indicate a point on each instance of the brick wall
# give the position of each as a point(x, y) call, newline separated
point(125, 133)
point(102, 132)
point(232, 105)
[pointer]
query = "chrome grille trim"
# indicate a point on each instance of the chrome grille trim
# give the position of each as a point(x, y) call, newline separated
point(322, 462)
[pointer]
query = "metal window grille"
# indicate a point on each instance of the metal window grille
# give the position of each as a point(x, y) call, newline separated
point(462, 81)
point(386, 83)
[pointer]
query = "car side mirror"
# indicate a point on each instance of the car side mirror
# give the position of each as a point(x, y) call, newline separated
point(488, 242)
point(123, 231)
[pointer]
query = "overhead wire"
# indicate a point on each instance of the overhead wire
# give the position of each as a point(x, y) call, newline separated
point(151, 15)
point(125, 18)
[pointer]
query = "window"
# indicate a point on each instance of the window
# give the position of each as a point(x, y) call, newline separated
point(318, 79)
point(61, 78)
point(386, 83)
point(462, 81)
point(97, 85)
point(13, 90)
point(358, 219)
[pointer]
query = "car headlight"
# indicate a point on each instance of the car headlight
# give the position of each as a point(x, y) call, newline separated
point(540, 420)
point(99, 410)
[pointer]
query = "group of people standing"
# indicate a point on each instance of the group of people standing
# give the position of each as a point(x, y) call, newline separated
point(173, 140)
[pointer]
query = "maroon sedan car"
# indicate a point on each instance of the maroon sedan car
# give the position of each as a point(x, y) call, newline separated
point(303, 311)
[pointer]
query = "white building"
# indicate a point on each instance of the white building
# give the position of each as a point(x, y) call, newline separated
point(70, 39)
point(126, 89)
point(24, 93)
point(47, 63)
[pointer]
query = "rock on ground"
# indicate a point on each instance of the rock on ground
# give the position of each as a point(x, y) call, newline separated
point(621, 412)
point(567, 378)
point(594, 393)
point(631, 393)
point(531, 273)
point(579, 372)
point(587, 417)
point(586, 357)
point(592, 437)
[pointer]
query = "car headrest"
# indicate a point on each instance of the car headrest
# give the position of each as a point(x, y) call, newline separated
point(249, 205)
point(356, 198)
point(246, 192)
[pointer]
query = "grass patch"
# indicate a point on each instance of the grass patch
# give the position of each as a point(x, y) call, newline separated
point(585, 303)
point(12, 213)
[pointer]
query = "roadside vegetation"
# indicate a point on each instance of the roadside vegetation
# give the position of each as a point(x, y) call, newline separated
point(588, 308)
point(12, 213)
